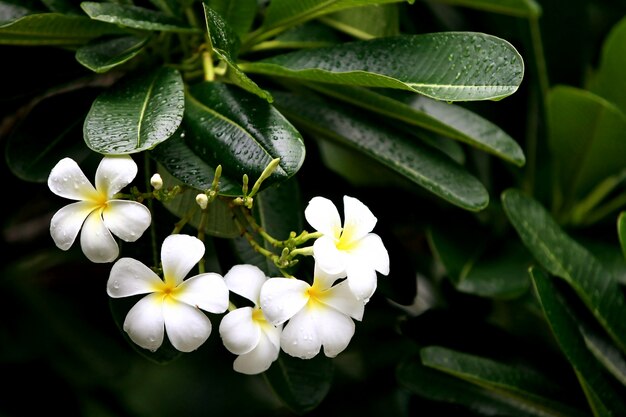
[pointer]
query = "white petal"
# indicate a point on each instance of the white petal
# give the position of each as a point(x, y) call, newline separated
point(240, 334)
point(258, 359)
point(273, 334)
point(115, 173)
point(144, 322)
point(371, 250)
point(179, 254)
point(362, 280)
point(282, 298)
point(359, 220)
point(322, 214)
point(334, 329)
point(328, 257)
point(67, 180)
point(130, 277)
point(126, 219)
point(322, 279)
point(246, 280)
point(340, 298)
point(206, 291)
point(66, 223)
point(300, 338)
point(96, 241)
point(186, 326)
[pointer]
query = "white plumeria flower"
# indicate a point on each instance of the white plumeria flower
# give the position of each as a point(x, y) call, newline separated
point(245, 331)
point(351, 250)
point(319, 314)
point(172, 304)
point(95, 210)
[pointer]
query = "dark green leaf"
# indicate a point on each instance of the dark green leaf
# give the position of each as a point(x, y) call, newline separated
point(605, 352)
point(529, 389)
point(228, 126)
point(169, 7)
point(451, 66)
point(135, 17)
point(521, 8)
point(308, 35)
point(603, 398)
point(53, 29)
point(586, 139)
point(63, 6)
point(238, 14)
point(102, 55)
point(375, 21)
point(225, 43)
point(621, 231)
point(136, 114)
point(445, 119)
point(301, 384)
point(419, 163)
point(567, 259)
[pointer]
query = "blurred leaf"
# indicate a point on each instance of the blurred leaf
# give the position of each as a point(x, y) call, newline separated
point(169, 7)
point(239, 14)
point(102, 55)
point(621, 231)
point(419, 163)
point(565, 258)
point(608, 82)
point(451, 66)
point(137, 113)
point(301, 384)
point(604, 400)
point(228, 126)
point(520, 8)
point(135, 17)
point(10, 11)
point(53, 29)
point(529, 389)
point(585, 138)
point(605, 352)
point(445, 119)
point(308, 35)
point(63, 6)
point(375, 21)
point(225, 43)
point(187, 167)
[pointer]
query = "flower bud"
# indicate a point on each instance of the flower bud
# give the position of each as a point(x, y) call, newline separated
point(156, 181)
point(202, 200)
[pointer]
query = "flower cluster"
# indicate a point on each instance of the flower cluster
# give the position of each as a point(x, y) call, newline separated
point(284, 313)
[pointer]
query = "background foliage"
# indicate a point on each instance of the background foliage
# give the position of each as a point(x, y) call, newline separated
point(503, 212)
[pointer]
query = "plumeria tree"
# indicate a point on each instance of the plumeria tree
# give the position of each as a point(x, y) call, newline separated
point(281, 207)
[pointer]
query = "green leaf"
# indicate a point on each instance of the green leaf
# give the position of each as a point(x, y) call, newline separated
point(63, 6)
point(239, 14)
point(451, 66)
point(102, 55)
point(301, 384)
point(605, 352)
point(601, 395)
point(585, 138)
point(135, 17)
point(529, 389)
point(9, 11)
point(136, 114)
point(228, 126)
point(183, 164)
point(621, 231)
point(225, 43)
point(520, 8)
point(169, 7)
point(375, 21)
point(308, 35)
point(567, 259)
point(419, 163)
point(53, 29)
point(445, 119)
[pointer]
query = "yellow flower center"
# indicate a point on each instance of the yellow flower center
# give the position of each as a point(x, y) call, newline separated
point(316, 296)
point(168, 290)
point(346, 241)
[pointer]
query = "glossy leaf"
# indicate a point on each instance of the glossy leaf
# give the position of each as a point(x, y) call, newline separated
point(445, 119)
point(604, 400)
point(301, 384)
point(621, 231)
point(183, 164)
point(103, 55)
point(225, 43)
point(136, 114)
point(585, 138)
point(239, 14)
point(419, 163)
point(451, 66)
point(520, 8)
point(135, 17)
point(565, 258)
point(366, 22)
point(228, 126)
point(53, 29)
point(525, 387)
